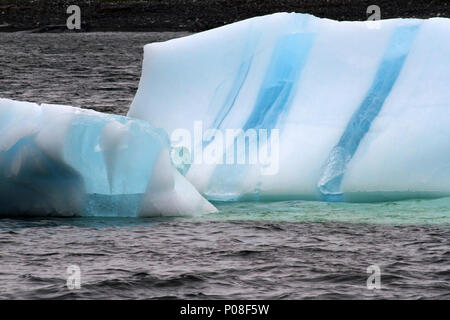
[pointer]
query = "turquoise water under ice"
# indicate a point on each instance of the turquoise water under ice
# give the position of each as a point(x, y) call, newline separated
point(420, 211)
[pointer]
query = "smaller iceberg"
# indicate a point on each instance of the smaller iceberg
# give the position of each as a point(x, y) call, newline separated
point(63, 161)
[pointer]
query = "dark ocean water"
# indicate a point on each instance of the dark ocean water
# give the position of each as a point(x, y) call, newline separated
point(280, 250)
point(98, 71)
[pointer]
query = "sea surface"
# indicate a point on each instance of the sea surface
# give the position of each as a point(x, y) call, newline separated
point(249, 250)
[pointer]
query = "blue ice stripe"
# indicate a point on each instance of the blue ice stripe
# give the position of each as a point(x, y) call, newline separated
point(391, 65)
point(241, 77)
point(274, 98)
point(234, 92)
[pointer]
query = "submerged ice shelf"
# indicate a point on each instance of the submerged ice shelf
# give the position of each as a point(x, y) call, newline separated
point(64, 161)
point(362, 109)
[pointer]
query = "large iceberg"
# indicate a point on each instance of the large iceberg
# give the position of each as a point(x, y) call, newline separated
point(65, 161)
point(318, 109)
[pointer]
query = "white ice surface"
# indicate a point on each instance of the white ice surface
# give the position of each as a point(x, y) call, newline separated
point(327, 74)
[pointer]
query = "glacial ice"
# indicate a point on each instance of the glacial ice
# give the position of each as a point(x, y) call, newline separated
point(362, 108)
point(65, 161)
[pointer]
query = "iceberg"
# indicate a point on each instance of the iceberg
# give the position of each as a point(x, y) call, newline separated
point(343, 111)
point(63, 161)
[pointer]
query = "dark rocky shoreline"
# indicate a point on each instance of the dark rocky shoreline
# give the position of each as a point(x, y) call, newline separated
point(193, 15)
